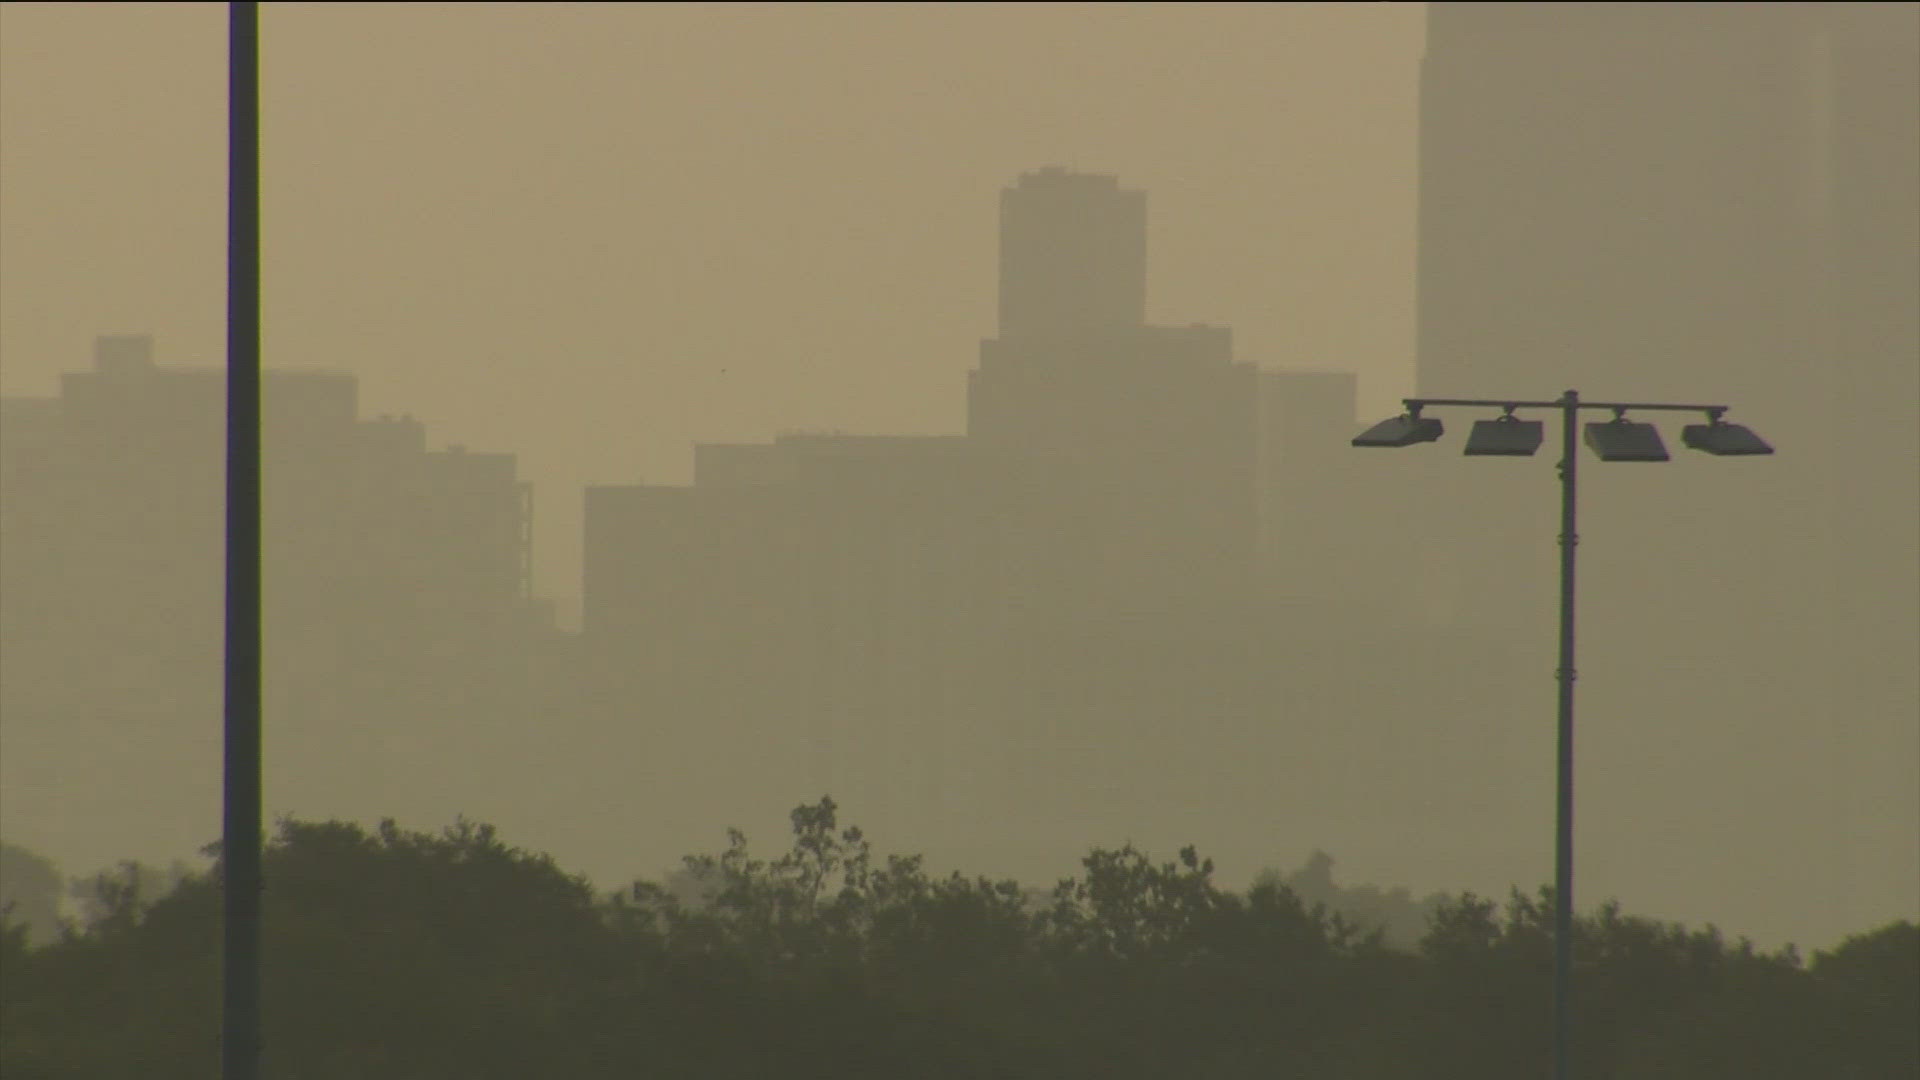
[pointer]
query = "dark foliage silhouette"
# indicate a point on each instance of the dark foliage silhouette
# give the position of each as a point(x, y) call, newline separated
point(401, 954)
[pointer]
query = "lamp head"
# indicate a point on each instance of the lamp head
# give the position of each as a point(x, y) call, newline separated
point(1404, 430)
point(1507, 436)
point(1723, 439)
point(1621, 439)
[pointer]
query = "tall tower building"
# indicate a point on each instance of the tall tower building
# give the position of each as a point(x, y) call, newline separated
point(1678, 201)
point(1073, 256)
point(1137, 440)
point(1075, 371)
point(1713, 202)
point(1619, 193)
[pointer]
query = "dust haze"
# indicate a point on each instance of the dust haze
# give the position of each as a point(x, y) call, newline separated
point(675, 413)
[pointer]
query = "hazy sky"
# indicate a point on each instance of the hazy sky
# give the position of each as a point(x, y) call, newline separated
point(595, 234)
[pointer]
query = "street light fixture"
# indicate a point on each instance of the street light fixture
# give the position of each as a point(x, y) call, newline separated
point(1509, 436)
point(1404, 430)
point(1619, 439)
point(1726, 440)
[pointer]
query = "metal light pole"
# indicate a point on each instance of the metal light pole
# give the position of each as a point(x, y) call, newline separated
point(240, 824)
point(1617, 441)
point(1563, 787)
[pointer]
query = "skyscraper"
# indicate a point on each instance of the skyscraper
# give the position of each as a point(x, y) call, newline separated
point(1680, 200)
point(1715, 203)
point(1073, 256)
point(1144, 435)
point(396, 596)
point(919, 618)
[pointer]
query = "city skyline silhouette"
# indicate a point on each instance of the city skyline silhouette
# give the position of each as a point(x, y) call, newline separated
point(1140, 588)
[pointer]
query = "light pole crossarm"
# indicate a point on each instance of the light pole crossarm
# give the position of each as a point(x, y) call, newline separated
point(1501, 403)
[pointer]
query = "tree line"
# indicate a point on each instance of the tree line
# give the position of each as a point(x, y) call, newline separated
point(409, 955)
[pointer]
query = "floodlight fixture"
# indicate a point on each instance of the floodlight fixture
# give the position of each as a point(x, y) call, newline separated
point(1621, 439)
point(1723, 439)
point(1507, 436)
point(1404, 430)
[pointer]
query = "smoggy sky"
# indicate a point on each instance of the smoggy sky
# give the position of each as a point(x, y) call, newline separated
point(593, 235)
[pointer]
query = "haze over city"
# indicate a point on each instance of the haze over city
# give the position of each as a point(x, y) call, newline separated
point(957, 401)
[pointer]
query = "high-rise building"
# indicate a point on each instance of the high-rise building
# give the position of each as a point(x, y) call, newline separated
point(1642, 194)
point(976, 615)
point(395, 593)
point(1073, 256)
point(1139, 440)
point(1695, 202)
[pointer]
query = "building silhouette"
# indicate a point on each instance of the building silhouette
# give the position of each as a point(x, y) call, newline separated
point(1692, 202)
point(396, 585)
point(1110, 594)
point(1149, 586)
point(1073, 256)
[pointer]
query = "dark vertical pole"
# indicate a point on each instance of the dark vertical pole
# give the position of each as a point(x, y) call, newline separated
point(240, 833)
point(1563, 817)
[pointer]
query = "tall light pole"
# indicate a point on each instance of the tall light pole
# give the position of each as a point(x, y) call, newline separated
point(1615, 440)
point(240, 798)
